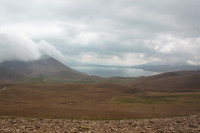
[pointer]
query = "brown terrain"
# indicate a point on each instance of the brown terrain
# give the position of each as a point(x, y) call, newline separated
point(109, 99)
point(93, 101)
point(187, 124)
point(83, 103)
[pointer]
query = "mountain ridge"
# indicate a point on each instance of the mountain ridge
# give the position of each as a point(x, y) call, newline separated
point(166, 68)
point(43, 68)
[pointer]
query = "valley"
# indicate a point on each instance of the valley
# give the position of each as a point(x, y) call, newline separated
point(114, 98)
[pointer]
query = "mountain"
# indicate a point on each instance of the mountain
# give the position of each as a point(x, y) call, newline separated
point(9, 75)
point(166, 68)
point(48, 68)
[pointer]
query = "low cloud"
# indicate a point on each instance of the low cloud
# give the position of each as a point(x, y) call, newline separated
point(22, 48)
point(47, 49)
point(114, 32)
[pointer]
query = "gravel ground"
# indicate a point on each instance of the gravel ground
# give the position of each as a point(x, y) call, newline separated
point(186, 124)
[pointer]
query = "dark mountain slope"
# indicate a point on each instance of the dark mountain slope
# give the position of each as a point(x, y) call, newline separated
point(10, 75)
point(47, 67)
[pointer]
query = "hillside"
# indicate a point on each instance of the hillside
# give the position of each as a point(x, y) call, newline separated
point(179, 81)
point(9, 75)
point(167, 68)
point(163, 95)
point(44, 68)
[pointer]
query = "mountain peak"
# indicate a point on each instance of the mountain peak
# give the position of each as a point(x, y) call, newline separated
point(45, 66)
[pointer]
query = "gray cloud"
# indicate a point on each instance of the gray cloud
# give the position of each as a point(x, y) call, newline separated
point(127, 32)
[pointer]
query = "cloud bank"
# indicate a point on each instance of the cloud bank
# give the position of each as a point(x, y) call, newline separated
point(114, 32)
point(22, 48)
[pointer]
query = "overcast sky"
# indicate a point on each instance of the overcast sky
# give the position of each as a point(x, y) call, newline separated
point(106, 32)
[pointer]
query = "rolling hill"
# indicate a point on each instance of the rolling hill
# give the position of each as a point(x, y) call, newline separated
point(180, 81)
point(167, 68)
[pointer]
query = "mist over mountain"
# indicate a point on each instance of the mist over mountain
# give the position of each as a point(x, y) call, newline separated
point(47, 67)
point(22, 48)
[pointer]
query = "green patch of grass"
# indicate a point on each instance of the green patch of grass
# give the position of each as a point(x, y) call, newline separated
point(145, 100)
point(186, 98)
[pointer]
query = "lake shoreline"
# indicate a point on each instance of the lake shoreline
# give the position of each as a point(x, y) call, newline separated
point(113, 71)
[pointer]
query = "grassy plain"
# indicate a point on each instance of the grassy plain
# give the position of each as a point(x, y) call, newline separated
point(98, 100)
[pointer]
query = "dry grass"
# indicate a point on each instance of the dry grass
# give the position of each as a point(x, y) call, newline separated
point(93, 101)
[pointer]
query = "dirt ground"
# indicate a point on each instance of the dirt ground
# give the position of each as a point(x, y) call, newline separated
point(186, 124)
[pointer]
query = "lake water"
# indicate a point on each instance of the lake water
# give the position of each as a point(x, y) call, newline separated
point(114, 71)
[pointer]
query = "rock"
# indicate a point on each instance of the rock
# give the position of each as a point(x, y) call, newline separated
point(178, 121)
point(151, 122)
point(193, 126)
point(37, 126)
point(174, 125)
point(66, 131)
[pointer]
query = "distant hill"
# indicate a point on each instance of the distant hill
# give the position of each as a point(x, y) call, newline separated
point(179, 81)
point(44, 68)
point(166, 68)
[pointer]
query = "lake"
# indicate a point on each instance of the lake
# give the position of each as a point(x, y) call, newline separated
point(114, 71)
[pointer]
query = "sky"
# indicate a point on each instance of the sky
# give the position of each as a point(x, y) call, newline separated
point(103, 32)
